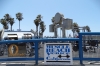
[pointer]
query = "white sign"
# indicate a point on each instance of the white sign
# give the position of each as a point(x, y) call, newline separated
point(58, 54)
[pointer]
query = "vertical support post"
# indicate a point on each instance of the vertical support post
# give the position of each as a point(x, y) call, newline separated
point(36, 52)
point(80, 49)
point(97, 43)
point(55, 31)
point(63, 32)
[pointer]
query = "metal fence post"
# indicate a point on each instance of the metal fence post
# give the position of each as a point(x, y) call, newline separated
point(97, 43)
point(36, 52)
point(80, 49)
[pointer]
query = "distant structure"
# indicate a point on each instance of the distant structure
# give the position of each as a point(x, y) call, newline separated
point(69, 36)
point(60, 22)
point(65, 24)
point(18, 29)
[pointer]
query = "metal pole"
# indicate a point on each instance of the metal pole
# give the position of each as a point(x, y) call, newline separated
point(80, 49)
point(36, 52)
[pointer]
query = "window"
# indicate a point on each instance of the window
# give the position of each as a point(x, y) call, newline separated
point(12, 37)
point(27, 36)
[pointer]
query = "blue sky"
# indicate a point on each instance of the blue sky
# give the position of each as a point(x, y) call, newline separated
point(84, 12)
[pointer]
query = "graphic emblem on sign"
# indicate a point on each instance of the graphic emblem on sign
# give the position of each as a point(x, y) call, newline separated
point(58, 54)
point(13, 49)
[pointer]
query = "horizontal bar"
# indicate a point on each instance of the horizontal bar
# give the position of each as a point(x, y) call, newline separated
point(25, 59)
point(33, 46)
point(16, 41)
point(34, 40)
point(89, 33)
point(60, 39)
point(75, 58)
point(17, 31)
point(92, 59)
point(16, 59)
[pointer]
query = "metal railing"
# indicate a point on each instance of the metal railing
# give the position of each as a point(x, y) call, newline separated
point(36, 41)
point(80, 47)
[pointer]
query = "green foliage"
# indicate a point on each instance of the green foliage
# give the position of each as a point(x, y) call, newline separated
point(4, 23)
point(76, 27)
point(19, 16)
point(11, 21)
point(7, 20)
point(88, 28)
point(39, 23)
point(7, 17)
point(42, 26)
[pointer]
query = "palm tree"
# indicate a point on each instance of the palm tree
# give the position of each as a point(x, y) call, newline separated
point(11, 22)
point(75, 25)
point(4, 23)
point(39, 17)
point(88, 29)
point(6, 27)
point(19, 17)
point(42, 28)
point(7, 17)
point(37, 22)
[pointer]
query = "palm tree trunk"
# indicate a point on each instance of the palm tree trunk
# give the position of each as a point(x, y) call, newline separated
point(11, 27)
point(42, 35)
point(19, 24)
point(37, 30)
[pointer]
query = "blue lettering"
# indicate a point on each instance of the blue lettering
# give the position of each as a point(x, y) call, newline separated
point(47, 58)
point(68, 50)
point(54, 58)
point(57, 46)
point(49, 46)
point(51, 51)
point(66, 46)
point(59, 50)
point(47, 51)
point(62, 46)
point(61, 53)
